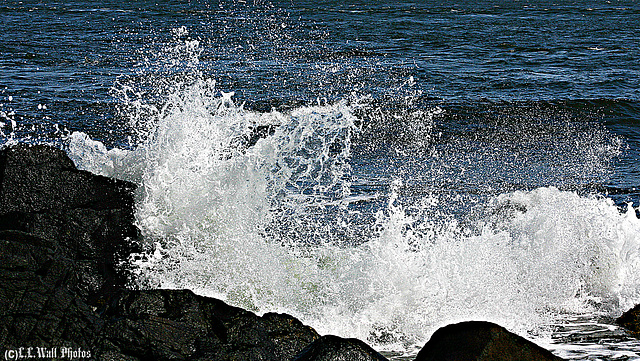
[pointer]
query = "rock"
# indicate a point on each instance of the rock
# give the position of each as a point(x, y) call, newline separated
point(61, 233)
point(177, 324)
point(334, 348)
point(84, 217)
point(631, 320)
point(39, 306)
point(33, 176)
point(481, 341)
point(289, 334)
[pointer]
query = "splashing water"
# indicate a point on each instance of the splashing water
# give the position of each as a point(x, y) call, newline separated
point(259, 222)
point(206, 205)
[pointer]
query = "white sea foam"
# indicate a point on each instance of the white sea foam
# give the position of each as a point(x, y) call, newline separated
point(92, 155)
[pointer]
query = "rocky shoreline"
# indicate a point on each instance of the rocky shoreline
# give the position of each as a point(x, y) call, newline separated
point(63, 233)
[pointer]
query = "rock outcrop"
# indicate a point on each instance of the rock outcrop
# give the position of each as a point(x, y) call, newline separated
point(77, 215)
point(62, 233)
point(631, 320)
point(177, 324)
point(481, 341)
point(332, 348)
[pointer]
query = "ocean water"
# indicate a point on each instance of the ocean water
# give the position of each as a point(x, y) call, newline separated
point(376, 169)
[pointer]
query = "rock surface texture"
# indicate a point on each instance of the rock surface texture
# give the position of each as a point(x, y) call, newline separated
point(481, 341)
point(177, 324)
point(63, 233)
point(631, 320)
point(333, 348)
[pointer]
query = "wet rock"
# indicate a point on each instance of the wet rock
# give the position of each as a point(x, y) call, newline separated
point(84, 217)
point(334, 348)
point(481, 341)
point(34, 176)
point(631, 320)
point(177, 324)
point(289, 334)
point(61, 233)
point(38, 296)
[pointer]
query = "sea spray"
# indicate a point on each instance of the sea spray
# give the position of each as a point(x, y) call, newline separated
point(245, 225)
point(594, 248)
point(268, 226)
point(414, 276)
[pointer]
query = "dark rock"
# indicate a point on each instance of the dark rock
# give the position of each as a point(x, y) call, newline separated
point(334, 348)
point(288, 333)
point(84, 217)
point(177, 324)
point(32, 177)
point(62, 233)
point(631, 320)
point(481, 341)
point(38, 302)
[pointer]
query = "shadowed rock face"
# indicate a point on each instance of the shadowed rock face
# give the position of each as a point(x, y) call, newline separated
point(334, 348)
point(62, 233)
point(80, 216)
point(177, 324)
point(39, 288)
point(631, 320)
point(37, 178)
point(481, 341)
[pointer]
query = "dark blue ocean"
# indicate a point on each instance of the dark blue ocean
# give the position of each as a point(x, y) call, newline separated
point(376, 168)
